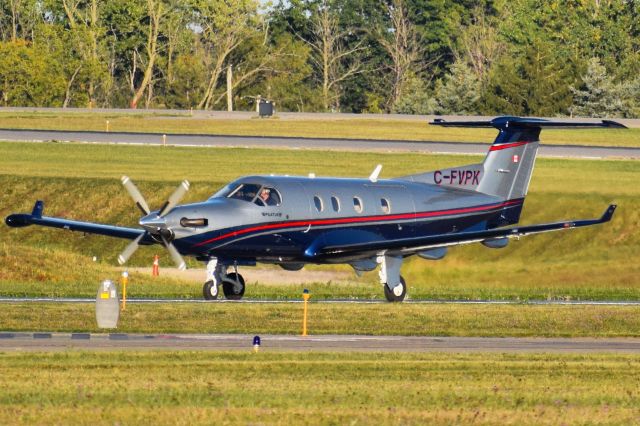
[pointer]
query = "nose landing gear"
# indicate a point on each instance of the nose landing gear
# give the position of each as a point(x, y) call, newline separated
point(233, 285)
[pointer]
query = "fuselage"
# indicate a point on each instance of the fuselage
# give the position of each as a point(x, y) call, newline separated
point(235, 224)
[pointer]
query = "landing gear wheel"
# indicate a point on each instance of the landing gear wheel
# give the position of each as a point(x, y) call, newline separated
point(233, 286)
point(398, 293)
point(210, 290)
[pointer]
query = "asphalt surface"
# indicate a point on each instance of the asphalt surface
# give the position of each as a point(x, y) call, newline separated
point(325, 343)
point(331, 301)
point(563, 151)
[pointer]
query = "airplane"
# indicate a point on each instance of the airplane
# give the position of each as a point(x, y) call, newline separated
point(365, 223)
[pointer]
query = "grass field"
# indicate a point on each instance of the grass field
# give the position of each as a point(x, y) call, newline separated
point(310, 388)
point(82, 182)
point(367, 319)
point(414, 130)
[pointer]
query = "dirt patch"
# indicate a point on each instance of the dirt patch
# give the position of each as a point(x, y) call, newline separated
point(261, 275)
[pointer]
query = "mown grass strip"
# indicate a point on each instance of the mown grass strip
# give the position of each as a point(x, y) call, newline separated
point(412, 130)
point(317, 388)
point(377, 319)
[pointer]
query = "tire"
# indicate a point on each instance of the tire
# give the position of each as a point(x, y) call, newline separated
point(233, 286)
point(210, 291)
point(391, 296)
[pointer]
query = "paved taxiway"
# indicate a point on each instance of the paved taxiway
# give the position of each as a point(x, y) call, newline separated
point(332, 301)
point(567, 151)
point(326, 343)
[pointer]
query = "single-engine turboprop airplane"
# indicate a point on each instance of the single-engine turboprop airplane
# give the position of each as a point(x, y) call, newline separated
point(366, 223)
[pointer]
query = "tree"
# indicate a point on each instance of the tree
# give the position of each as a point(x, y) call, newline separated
point(18, 19)
point(532, 84)
point(29, 77)
point(77, 38)
point(459, 91)
point(335, 60)
point(286, 81)
point(156, 12)
point(401, 42)
point(479, 44)
point(417, 99)
point(599, 96)
point(223, 26)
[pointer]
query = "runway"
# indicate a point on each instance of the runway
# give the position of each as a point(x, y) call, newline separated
point(332, 301)
point(55, 342)
point(201, 140)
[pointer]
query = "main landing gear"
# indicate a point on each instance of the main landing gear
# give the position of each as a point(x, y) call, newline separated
point(395, 288)
point(232, 283)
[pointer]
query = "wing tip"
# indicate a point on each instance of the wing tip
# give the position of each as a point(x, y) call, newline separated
point(608, 214)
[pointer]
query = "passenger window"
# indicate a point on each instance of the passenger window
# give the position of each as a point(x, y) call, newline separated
point(386, 207)
point(335, 203)
point(318, 202)
point(268, 197)
point(357, 204)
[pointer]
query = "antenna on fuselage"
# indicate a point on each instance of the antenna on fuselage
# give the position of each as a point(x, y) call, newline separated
point(376, 172)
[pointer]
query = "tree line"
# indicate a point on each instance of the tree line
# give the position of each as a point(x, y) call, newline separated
point(521, 57)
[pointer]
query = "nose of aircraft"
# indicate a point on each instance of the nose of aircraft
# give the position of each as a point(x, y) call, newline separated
point(153, 223)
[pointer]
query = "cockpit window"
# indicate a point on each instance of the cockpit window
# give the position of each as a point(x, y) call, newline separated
point(268, 197)
point(245, 192)
point(257, 194)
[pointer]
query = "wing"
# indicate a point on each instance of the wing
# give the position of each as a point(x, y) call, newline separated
point(408, 246)
point(36, 218)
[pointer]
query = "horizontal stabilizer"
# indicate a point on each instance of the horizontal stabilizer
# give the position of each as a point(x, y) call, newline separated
point(507, 121)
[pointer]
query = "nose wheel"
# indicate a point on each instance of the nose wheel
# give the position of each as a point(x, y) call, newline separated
point(210, 290)
point(232, 283)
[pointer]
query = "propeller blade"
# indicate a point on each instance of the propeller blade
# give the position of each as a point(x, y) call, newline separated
point(129, 250)
point(174, 198)
point(135, 194)
point(175, 255)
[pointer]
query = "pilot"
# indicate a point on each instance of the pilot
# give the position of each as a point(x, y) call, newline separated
point(266, 198)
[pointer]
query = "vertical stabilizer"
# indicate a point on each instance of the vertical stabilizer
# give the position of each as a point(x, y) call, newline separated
point(506, 170)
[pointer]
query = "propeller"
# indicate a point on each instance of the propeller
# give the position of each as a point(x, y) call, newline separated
point(154, 226)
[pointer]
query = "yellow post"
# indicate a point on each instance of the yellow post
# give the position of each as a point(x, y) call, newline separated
point(125, 278)
point(107, 126)
point(305, 297)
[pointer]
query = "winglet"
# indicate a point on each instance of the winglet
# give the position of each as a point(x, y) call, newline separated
point(608, 214)
point(37, 209)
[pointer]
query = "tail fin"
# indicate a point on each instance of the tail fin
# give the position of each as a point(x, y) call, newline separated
point(506, 170)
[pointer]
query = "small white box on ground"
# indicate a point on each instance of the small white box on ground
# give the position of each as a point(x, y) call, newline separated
point(107, 305)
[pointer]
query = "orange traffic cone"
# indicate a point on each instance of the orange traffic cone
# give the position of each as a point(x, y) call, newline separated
point(156, 266)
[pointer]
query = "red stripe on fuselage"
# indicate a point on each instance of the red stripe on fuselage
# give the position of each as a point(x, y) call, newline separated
point(321, 222)
point(506, 145)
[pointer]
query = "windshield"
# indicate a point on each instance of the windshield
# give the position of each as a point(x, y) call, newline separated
point(262, 195)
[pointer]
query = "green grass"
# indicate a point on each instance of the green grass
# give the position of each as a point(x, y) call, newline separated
point(317, 388)
point(368, 319)
point(82, 182)
point(414, 130)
